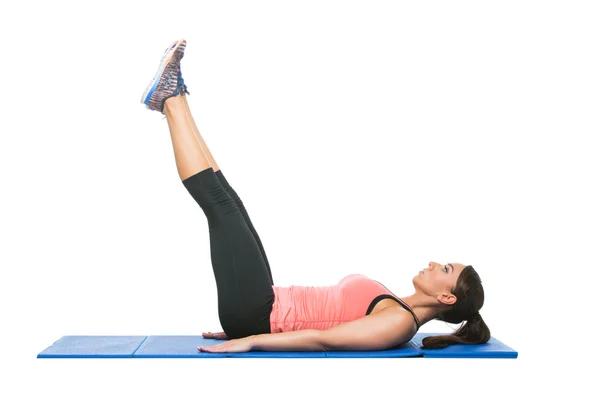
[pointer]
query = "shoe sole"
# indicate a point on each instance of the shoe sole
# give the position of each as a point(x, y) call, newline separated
point(161, 67)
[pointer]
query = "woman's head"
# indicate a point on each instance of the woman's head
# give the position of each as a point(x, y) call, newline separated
point(459, 293)
point(439, 281)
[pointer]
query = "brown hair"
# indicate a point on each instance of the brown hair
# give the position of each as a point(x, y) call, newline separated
point(469, 299)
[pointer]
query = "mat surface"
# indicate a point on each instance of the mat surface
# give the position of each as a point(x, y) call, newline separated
point(93, 347)
point(186, 347)
point(492, 349)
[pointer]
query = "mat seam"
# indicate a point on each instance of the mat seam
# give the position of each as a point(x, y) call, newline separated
point(133, 354)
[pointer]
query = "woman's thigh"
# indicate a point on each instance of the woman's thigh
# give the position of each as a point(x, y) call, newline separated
point(245, 294)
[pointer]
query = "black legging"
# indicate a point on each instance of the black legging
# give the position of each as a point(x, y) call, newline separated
point(242, 272)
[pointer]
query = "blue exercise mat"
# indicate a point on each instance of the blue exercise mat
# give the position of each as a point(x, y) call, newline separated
point(492, 349)
point(186, 347)
point(176, 347)
point(405, 350)
point(93, 347)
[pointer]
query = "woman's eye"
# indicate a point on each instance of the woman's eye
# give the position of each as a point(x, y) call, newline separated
point(446, 268)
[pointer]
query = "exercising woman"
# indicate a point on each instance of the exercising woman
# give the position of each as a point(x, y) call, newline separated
point(357, 313)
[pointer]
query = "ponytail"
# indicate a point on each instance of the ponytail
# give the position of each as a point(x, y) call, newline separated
point(475, 331)
point(470, 299)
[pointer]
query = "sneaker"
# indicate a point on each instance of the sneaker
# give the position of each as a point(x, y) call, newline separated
point(168, 81)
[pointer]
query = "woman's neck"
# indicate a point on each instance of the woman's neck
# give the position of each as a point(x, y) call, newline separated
point(422, 306)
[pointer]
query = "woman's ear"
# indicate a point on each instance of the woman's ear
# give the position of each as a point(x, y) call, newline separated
point(446, 298)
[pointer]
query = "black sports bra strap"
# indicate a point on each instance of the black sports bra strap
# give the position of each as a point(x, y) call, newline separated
point(403, 303)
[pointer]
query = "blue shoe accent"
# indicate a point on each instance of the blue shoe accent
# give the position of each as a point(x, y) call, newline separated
point(181, 87)
point(147, 99)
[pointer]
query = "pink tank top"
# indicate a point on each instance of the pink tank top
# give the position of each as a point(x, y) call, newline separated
point(322, 307)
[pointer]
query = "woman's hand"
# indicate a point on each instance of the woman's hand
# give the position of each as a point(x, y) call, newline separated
point(215, 335)
point(231, 346)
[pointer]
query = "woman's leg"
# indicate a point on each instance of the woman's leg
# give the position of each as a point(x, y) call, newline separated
point(189, 156)
point(245, 295)
point(226, 184)
point(199, 138)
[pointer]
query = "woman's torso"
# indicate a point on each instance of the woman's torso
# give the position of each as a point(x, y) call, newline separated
point(322, 307)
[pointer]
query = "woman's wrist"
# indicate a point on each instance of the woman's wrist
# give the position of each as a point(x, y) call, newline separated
point(254, 340)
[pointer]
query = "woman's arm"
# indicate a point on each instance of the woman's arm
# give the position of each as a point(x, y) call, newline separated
point(303, 340)
point(378, 331)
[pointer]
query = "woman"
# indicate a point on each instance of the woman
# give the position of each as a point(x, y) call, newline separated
point(356, 314)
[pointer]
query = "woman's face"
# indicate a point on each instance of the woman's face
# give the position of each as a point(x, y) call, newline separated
point(438, 280)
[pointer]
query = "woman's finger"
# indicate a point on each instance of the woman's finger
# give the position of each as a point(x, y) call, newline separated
point(218, 335)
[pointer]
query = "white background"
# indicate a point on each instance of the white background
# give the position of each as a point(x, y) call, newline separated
point(363, 137)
